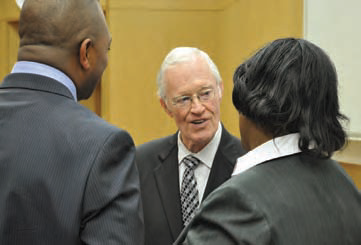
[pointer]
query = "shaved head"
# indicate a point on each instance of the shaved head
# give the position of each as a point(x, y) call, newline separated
point(70, 35)
point(58, 23)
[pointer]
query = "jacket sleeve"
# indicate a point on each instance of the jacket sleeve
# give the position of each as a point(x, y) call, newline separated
point(112, 211)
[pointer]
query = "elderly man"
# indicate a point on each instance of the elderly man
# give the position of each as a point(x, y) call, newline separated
point(66, 176)
point(180, 170)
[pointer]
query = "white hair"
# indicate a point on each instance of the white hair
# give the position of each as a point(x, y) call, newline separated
point(182, 55)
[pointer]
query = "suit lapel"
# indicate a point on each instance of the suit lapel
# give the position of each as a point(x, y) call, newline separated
point(167, 179)
point(223, 164)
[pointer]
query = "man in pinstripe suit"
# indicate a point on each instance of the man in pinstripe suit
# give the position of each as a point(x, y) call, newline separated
point(66, 176)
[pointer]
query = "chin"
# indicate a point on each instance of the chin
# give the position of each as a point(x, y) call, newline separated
point(87, 91)
point(84, 96)
point(203, 140)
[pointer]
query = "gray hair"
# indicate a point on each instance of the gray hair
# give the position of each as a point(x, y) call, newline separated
point(182, 55)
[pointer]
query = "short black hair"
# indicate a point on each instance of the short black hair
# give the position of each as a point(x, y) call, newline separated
point(290, 86)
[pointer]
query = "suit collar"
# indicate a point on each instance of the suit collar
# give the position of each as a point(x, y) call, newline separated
point(36, 82)
point(45, 70)
point(223, 163)
point(167, 179)
point(168, 147)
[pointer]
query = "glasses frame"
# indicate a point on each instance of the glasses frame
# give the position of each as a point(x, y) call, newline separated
point(185, 101)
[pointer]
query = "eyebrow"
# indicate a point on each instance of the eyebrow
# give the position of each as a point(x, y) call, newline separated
point(188, 94)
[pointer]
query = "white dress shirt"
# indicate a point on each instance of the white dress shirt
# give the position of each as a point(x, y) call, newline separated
point(272, 149)
point(206, 156)
point(45, 70)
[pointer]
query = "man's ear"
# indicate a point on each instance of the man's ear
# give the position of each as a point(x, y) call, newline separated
point(165, 107)
point(221, 88)
point(84, 53)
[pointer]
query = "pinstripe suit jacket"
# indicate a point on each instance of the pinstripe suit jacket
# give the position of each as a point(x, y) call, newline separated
point(66, 176)
point(158, 169)
point(295, 200)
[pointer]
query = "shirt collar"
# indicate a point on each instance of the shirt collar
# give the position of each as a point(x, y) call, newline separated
point(45, 70)
point(272, 149)
point(207, 154)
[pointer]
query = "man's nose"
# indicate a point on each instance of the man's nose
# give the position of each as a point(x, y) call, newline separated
point(197, 106)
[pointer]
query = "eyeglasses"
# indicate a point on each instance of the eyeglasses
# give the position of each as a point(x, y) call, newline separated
point(185, 101)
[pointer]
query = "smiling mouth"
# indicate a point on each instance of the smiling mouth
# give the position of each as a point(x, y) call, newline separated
point(198, 121)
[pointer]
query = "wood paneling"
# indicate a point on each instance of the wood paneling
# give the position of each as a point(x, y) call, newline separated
point(3, 50)
point(13, 43)
point(354, 170)
point(9, 13)
point(351, 153)
point(247, 26)
point(184, 5)
point(9, 10)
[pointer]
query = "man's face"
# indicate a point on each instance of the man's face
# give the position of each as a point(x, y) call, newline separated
point(199, 121)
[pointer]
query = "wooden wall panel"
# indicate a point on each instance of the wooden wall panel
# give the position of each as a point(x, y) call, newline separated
point(9, 13)
point(13, 43)
point(184, 5)
point(247, 26)
point(3, 50)
point(354, 170)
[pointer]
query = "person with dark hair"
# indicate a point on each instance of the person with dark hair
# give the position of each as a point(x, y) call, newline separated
point(66, 176)
point(286, 189)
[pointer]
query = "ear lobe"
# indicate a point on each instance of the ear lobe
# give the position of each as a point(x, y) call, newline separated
point(164, 105)
point(84, 53)
point(221, 88)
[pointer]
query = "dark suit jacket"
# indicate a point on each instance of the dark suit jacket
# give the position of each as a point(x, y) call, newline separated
point(66, 176)
point(158, 168)
point(294, 200)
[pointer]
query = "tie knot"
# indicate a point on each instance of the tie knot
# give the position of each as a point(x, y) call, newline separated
point(191, 161)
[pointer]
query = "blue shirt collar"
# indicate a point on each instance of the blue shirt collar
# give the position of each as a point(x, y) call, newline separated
point(45, 70)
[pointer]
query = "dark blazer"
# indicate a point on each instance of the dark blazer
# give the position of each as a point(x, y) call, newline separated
point(66, 176)
point(159, 178)
point(294, 200)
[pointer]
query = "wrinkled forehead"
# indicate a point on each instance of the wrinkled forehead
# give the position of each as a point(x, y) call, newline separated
point(188, 78)
point(189, 71)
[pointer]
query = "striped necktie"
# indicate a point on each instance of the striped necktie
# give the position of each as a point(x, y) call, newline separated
point(189, 191)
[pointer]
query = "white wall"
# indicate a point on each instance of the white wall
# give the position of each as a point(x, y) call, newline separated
point(334, 25)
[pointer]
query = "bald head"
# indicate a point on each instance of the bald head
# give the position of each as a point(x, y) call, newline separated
point(70, 35)
point(59, 23)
